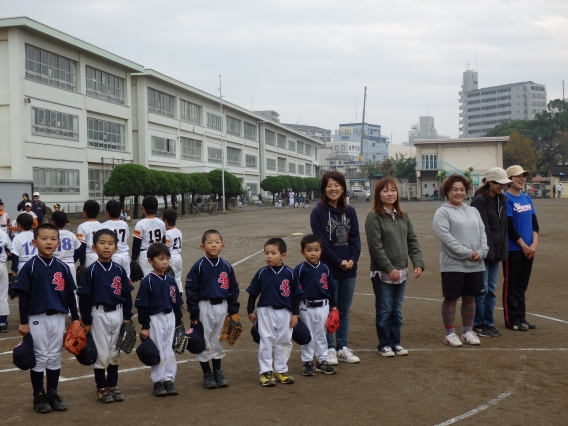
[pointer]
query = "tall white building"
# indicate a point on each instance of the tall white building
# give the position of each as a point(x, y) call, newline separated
point(483, 109)
point(69, 111)
point(424, 129)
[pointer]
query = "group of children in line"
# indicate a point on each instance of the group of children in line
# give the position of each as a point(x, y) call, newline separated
point(43, 266)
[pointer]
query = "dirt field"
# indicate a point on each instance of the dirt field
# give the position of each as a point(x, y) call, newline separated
point(519, 378)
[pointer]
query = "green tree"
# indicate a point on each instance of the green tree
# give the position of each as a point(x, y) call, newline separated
point(467, 173)
point(561, 149)
point(387, 167)
point(370, 168)
point(185, 185)
point(130, 180)
point(233, 185)
point(405, 168)
point(312, 185)
point(520, 150)
point(167, 184)
point(201, 186)
point(441, 175)
point(273, 184)
point(298, 184)
point(524, 127)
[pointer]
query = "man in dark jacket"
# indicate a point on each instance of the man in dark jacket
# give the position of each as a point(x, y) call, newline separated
point(38, 207)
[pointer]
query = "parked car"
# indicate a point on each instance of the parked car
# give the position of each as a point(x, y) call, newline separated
point(359, 193)
point(368, 196)
point(352, 195)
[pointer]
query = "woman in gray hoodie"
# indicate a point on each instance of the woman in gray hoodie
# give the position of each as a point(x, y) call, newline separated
point(464, 246)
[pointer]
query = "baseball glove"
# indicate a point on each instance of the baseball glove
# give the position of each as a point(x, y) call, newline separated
point(11, 292)
point(136, 273)
point(232, 329)
point(75, 338)
point(127, 337)
point(332, 323)
point(179, 344)
point(79, 274)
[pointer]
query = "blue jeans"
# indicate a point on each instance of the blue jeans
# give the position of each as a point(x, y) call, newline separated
point(388, 305)
point(485, 303)
point(344, 297)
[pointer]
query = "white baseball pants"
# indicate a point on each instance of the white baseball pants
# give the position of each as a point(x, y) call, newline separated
point(275, 333)
point(4, 282)
point(47, 332)
point(123, 259)
point(212, 317)
point(315, 319)
point(105, 330)
point(177, 266)
point(162, 334)
point(144, 263)
point(90, 258)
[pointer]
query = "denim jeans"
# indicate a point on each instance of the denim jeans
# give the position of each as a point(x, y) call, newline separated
point(485, 303)
point(344, 297)
point(388, 305)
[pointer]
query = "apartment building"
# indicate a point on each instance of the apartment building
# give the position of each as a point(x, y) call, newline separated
point(314, 132)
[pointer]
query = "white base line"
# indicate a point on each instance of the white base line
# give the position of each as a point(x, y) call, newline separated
point(478, 409)
point(496, 307)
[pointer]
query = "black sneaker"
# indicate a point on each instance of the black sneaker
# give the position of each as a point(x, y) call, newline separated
point(528, 324)
point(160, 389)
point(324, 367)
point(117, 395)
point(308, 369)
point(170, 389)
point(519, 327)
point(41, 404)
point(56, 401)
point(495, 332)
point(209, 381)
point(483, 331)
point(3, 328)
point(104, 396)
point(220, 379)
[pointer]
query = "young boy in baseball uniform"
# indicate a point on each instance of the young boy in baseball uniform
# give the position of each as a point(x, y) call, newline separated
point(159, 311)
point(46, 295)
point(276, 313)
point(69, 245)
point(5, 246)
point(316, 302)
point(120, 228)
point(105, 302)
point(174, 241)
point(146, 232)
point(23, 248)
point(86, 230)
point(212, 293)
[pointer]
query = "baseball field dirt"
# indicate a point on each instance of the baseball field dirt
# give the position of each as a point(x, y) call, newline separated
point(519, 378)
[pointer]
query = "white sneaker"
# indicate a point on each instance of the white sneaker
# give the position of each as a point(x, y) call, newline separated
point(399, 350)
point(453, 340)
point(386, 351)
point(346, 355)
point(470, 338)
point(332, 357)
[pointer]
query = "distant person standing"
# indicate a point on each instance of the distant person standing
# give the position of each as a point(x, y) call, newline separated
point(436, 194)
point(559, 190)
point(38, 207)
point(22, 204)
point(442, 194)
point(553, 192)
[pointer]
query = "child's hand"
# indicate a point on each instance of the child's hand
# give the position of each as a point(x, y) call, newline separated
point(252, 317)
point(144, 334)
point(294, 321)
point(24, 329)
point(87, 328)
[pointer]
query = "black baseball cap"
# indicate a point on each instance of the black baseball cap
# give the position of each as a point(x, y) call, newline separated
point(148, 352)
point(196, 340)
point(89, 354)
point(23, 354)
point(301, 334)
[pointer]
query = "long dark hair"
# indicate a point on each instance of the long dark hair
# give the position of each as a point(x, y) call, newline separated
point(482, 189)
point(377, 203)
point(340, 179)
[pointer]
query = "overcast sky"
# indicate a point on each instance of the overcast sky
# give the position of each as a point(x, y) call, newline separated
point(310, 59)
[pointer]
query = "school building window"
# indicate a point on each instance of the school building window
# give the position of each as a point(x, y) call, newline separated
point(233, 126)
point(55, 124)
point(105, 134)
point(308, 169)
point(269, 137)
point(97, 180)
point(300, 147)
point(291, 168)
point(233, 156)
point(105, 86)
point(214, 122)
point(250, 161)
point(308, 149)
point(56, 181)
point(281, 164)
point(250, 131)
point(270, 164)
point(291, 145)
point(190, 149)
point(190, 112)
point(163, 147)
point(160, 103)
point(300, 169)
point(49, 68)
point(281, 141)
point(214, 155)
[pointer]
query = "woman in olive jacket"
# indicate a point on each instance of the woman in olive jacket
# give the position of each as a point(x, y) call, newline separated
point(391, 239)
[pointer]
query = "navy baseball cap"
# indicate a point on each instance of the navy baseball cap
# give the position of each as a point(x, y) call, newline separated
point(89, 354)
point(301, 334)
point(24, 357)
point(254, 333)
point(195, 339)
point(148, 352)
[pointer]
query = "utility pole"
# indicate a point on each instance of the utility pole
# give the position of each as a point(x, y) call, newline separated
point(222, 145)
point(363, 124)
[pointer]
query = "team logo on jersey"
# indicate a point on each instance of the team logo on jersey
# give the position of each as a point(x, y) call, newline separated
point(59, 281)
point(224, 280)
point(173, 293)
point(323, 281)
point(285, 287)
point(117, 285)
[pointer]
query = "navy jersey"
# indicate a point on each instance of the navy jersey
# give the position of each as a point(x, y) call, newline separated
point(315, 280)
point(106, 284)
point(212, 280)
point(276, 287)
point(158, 293)
point(47, 284)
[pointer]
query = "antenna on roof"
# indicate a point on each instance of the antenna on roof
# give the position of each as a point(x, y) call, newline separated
point(467, 65)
